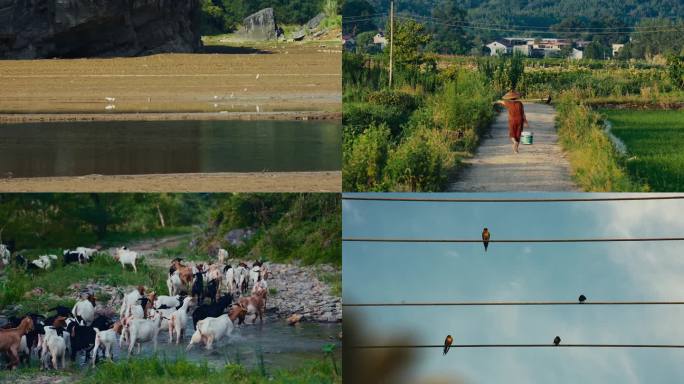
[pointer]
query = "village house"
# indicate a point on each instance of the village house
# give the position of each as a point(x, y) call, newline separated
point(380, 40)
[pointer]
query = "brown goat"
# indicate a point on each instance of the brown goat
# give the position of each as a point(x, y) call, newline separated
point(255, 304)
point(184, 272)
point(238, 312)
point(10, 339)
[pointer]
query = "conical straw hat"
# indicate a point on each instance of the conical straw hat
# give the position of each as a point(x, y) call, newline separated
point(512, 95)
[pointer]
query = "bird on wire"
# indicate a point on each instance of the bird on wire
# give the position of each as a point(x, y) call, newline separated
point(447, 344)
point(582, 299)
point(557, 340)
point(485, 238)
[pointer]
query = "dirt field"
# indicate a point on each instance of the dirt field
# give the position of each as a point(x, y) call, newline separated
point(273, 77)
point(214, 182)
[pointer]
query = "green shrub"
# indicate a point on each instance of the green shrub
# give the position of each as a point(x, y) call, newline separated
point(420, 162)
point(356, 117)
point(364, 158)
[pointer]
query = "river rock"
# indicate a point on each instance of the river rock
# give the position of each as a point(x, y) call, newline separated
point(81, 28)
point(315, 21)
point(260, 25)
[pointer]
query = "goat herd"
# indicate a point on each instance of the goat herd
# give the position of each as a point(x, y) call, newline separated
point(142, 315)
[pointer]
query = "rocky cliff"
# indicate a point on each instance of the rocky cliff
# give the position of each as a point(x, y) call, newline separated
point(83, 28)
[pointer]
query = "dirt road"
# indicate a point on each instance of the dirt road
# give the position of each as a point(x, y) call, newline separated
point(200, 182)
point(538, 167)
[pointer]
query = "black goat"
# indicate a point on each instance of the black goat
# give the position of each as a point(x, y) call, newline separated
point(198, 286)
point(82, 339)
point(211, 310)
point(212, 290)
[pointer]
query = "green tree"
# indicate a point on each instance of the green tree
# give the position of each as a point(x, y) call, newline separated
point(410, 39)
point(676, 70)
point(359, 14)
point(448, 35)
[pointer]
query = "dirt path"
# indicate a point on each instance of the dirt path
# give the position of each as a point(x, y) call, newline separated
point(538, 167)
point(192, 182)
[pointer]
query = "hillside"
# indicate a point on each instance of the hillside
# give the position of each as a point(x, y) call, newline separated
point(464, 27)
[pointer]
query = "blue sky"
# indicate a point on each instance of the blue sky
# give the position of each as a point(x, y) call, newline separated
point(392, 272)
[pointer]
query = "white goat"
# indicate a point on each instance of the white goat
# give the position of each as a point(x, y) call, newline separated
point(222, 256)
point(254, 274)
point(170, 301)
point(4, 254)
point(174, 283)
point(44, 261)
point(106, 339)
point(86, 309)
point(211, 329)
point(179, 319)
point(131, 298)
point(86, 252)
point(143, 330)
point(55, 346)
point(229, 278)
point(126, 256)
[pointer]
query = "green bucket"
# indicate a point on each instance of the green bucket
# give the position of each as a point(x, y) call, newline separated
point(527, 138)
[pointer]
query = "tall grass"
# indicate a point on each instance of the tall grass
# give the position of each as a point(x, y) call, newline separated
point(596, 165)
point(159, 369)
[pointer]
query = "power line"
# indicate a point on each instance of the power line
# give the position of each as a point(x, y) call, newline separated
point(380, 197)
point(509, 303)
point(527, 27)
point(409, 346)
point(595, 240)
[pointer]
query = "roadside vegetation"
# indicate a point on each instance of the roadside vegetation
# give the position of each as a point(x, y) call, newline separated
point(596, 165)
point(412, 135)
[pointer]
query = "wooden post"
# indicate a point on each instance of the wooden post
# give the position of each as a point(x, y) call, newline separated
point(391, 63)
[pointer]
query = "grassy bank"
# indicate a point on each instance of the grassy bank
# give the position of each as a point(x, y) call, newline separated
point(655, 146)
point(56, 281)
point(160, 370)
point(596, 165)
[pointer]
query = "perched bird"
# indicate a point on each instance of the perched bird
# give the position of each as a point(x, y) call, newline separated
point(485, 238)
point(557, 340)
point(447, 343)
point(582, 299)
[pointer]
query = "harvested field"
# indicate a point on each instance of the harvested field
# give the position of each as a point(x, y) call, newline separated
point(294, 77)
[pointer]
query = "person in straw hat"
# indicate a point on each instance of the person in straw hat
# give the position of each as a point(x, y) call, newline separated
point(516, 117)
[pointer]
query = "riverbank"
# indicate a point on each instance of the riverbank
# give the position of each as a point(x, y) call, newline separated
point(330, 181)
point(170, 116)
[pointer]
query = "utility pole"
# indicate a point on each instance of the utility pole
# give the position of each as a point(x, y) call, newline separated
point(391, 63)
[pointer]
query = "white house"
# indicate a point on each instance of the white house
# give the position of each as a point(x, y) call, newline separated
point(525, 50)
point(497, 48)
point(576, 54)
point(380, 39)
point(617, 48)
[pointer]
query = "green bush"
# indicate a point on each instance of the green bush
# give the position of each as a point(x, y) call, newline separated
point(364, 158)
point(356, 117)
point(420, 162)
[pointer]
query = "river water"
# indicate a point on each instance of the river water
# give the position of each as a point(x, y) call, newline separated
point(162, 147)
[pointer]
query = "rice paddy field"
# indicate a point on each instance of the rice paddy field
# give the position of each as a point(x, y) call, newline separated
point(655, 146)
point(227, 78)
